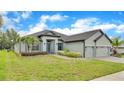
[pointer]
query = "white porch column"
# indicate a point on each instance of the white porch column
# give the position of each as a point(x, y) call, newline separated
point(44, 44)
point(56, 45)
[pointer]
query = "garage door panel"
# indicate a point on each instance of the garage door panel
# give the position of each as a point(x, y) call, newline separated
point(102, 51)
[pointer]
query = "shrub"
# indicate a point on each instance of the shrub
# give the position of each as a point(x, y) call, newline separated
point(73, 54)
point(61, 52)
point(66, 50)
point(69, 54)
point(118, 55)
point(33, 53)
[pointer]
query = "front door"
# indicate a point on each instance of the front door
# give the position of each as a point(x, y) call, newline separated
point(48, 47)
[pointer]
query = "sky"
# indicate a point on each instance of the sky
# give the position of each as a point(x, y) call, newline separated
point(66, 22)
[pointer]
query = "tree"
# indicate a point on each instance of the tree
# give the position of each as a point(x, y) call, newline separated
point(12, 37)
point(30, 40)
point(1, 33)
point(1, 21)
point(116, 42)
point(3, 42)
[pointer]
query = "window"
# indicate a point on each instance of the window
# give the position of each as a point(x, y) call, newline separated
point(60, 46)
point(35, 47)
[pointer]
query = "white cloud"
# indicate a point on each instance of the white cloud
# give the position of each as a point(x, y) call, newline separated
point(79, 26)
point(38, 27)
point(105, 27)
point(68, 31)
point(26, 15)
point(120, 28)
point(84, 22)
point(42, 23)
point(8, 23)
point(44, 18)
point(58, 17)
point(110, 37)
point(3, 13)
point(22, 33)
point(83, 25)
point(17, 20)
point(52, 18)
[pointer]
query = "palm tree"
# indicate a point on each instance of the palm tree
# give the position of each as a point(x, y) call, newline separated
point(116, 42)
point(30, 40)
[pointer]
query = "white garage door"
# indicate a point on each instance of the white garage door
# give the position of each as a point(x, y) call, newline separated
point(89, 51)
point(102, 51)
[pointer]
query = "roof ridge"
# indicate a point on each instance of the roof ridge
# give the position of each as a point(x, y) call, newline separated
point(86, 32)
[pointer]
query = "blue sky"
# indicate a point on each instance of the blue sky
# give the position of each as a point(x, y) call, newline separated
point(66, 22)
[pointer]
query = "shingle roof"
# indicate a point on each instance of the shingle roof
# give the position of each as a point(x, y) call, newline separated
point(67, 38)
point(44, 33)
point(82, 36)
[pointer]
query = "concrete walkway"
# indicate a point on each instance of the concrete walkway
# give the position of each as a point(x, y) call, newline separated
point(111, 59)
point(112, 77)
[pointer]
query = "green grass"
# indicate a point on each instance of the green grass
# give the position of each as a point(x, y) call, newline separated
point(122, 56)
point(49, 67)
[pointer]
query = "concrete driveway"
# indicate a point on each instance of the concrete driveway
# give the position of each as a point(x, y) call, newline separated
point(112, 59)
point(112, 77)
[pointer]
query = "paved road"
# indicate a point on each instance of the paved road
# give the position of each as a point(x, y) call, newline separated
point(112, 59)
point(112, 77)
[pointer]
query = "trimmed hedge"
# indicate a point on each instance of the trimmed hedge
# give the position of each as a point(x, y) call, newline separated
point(69, 54)
point(33, 53)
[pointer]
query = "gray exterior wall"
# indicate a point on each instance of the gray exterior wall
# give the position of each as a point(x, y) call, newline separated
point(103, 41)
point(90, 41)
point(75, 47)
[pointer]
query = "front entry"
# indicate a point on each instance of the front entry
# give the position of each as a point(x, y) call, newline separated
point(50, 46)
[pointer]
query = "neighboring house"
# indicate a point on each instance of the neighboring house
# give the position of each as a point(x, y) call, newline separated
point(90, 44)
point(121, 49)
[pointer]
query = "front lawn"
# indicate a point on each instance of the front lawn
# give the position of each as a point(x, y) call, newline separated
point(122, 55)
point(49, 67)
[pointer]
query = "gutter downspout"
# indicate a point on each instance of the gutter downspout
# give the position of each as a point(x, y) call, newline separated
point(95, 49)
point(84, 48)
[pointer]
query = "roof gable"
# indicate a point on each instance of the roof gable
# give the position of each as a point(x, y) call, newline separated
point(45, 33)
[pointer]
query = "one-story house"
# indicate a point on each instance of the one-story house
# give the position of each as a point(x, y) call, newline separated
point(93, 43)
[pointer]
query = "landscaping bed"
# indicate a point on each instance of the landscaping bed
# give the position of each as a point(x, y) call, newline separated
point(69, 54)
point(33, 53)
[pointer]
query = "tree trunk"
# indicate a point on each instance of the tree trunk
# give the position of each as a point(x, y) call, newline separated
point(115, 50)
